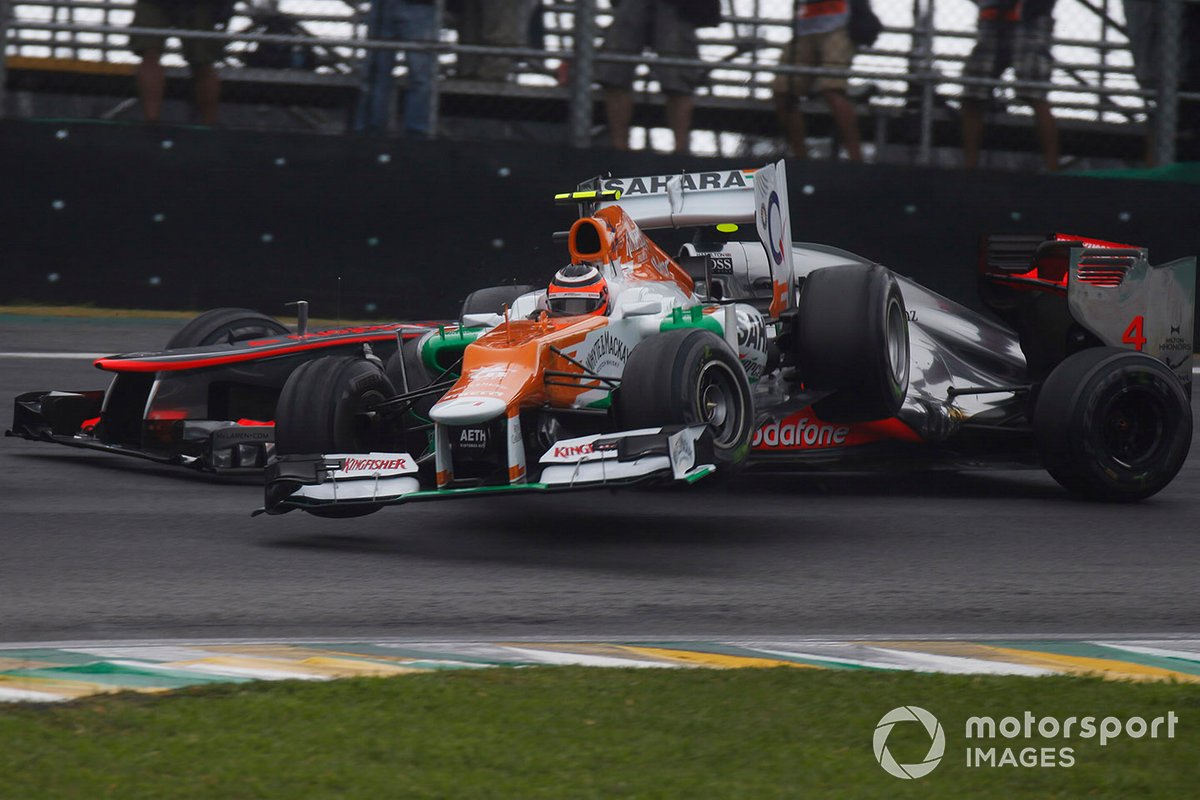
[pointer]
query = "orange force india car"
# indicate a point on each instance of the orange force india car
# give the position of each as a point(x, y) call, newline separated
point(739, 352)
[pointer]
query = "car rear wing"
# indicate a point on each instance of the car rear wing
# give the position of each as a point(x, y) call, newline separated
point(683, 200)
point(1125, 301)
point(701, 199)
point(1112, 290)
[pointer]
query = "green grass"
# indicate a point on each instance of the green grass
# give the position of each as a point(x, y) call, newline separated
point(89, 312)
point(577, 733)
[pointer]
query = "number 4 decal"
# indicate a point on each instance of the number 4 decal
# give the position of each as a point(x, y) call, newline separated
point(1133, 334)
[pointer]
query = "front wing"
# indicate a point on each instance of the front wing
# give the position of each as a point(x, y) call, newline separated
point(345, 481)
point(72, 418)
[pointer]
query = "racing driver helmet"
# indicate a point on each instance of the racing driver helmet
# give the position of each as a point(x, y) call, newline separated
point(578, 289)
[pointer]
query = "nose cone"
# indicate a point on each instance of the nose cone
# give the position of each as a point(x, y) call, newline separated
point(467, 410)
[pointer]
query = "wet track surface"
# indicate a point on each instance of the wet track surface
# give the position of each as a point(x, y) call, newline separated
point(94, 546)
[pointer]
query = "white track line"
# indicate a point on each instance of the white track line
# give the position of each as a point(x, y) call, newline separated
point(62, 356)
point(560, 658)
point(26, 696)
point(221, 670)
point(1150, 650)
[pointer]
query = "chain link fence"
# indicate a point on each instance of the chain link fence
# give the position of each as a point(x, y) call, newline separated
point(1122, 77)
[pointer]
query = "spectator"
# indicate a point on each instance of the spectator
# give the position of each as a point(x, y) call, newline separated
point(1142, 24)
point(1017, 34)
point(201, 54)
point(494, 23)
point(410, 20)
point(669, 28)
point(1189, 110)
point(820, 39)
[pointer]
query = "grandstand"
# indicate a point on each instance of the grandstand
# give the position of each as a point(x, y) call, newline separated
point(297, 64)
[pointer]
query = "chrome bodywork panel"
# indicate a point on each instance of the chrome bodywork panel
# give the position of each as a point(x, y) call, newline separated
point(951, 349)
point(1115, 309)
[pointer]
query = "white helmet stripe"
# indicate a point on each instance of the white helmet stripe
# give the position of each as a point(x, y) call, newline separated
point(590, 276)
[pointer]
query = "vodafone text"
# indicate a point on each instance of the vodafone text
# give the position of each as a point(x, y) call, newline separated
point(800, 433)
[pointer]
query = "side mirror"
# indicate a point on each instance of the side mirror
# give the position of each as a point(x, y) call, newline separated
point(643, 309)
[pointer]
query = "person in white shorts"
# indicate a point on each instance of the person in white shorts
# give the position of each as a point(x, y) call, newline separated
point(820, 40)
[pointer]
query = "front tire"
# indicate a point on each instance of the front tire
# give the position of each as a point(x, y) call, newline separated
point(324, 408)
point(1113, 424)
point(687, 377)
point(852, 338)
point(226, 326)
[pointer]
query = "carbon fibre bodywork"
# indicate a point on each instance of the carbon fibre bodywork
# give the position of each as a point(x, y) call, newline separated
point(209, 408)
point(952, 349)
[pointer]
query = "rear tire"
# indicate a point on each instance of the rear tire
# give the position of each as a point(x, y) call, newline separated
point(686, 377)
point(493, 299)
point(1113, 424)
point(852, 338)
point(322, 409)
point(226, 326)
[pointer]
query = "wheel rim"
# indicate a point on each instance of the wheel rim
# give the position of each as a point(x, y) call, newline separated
point(366, 427)
point(897, 352)
point(718, 396)
point(1133, 427)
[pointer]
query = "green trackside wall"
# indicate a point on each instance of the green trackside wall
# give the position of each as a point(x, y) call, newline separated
point(163, 217)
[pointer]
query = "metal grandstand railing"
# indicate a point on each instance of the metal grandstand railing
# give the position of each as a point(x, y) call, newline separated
point(913, 72)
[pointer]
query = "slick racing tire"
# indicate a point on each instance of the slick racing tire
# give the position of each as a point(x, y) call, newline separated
point(419, 376)
point(852, 338)
point(226, 326)
point(1112, 424)
point(686, 377)
point(322, 409)
point(492, 300)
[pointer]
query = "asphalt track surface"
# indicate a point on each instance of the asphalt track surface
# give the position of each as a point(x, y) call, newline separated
point(94, 546)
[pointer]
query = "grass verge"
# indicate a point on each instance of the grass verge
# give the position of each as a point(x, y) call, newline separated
point(576, 732)
point(91, 312)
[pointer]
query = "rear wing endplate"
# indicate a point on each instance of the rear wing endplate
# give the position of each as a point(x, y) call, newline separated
point(1127, 302)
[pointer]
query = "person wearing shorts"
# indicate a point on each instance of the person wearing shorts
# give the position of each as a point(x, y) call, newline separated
point(201, 54)
point(1017, 34)
point(820, 39)
point(669, 29)
point(1143, 24)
